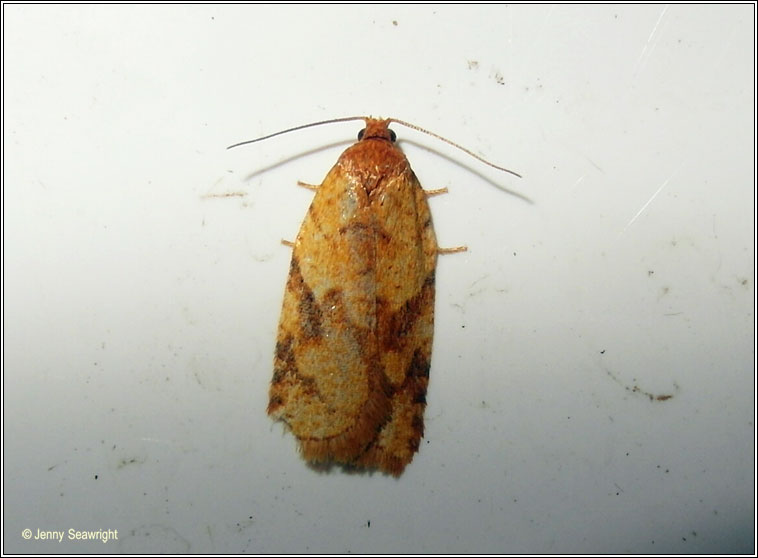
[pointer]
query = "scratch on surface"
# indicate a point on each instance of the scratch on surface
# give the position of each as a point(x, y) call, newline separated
point(156, 440)
point(655, 194)
point(647, 50)
point(578, 182)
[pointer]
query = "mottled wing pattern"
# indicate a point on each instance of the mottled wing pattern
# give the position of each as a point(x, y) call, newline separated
point(406, 258)
point(355, 336)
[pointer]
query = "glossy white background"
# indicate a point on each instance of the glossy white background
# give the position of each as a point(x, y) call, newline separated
point(140, 314)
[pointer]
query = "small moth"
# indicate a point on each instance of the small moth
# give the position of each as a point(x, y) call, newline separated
point(354, 344)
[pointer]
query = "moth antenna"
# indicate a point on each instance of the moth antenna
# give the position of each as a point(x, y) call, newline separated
point(401, 122)
point(449, 142)
point(331, 121)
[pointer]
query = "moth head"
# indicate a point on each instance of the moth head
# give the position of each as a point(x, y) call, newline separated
point(377, 129)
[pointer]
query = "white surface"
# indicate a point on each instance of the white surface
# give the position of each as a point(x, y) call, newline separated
point(140, 316)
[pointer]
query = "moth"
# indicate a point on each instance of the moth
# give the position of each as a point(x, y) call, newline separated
point(354, 343)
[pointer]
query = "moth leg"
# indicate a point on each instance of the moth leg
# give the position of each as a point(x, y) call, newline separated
point(313, 187)
point(430, 193)
point(453, 250)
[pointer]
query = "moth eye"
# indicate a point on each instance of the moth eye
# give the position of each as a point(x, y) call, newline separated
point(360, 134)
point(393, 136)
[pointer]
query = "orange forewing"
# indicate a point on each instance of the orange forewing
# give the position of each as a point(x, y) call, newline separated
point(355, 337)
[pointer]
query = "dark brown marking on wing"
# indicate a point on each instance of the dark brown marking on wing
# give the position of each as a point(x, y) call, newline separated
point(368, 230)
point(308, 309)
point(393, 459)
point(417, 378)
point(285, 360)
point(274, 403)
point(417, 423)
point(400, 323)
